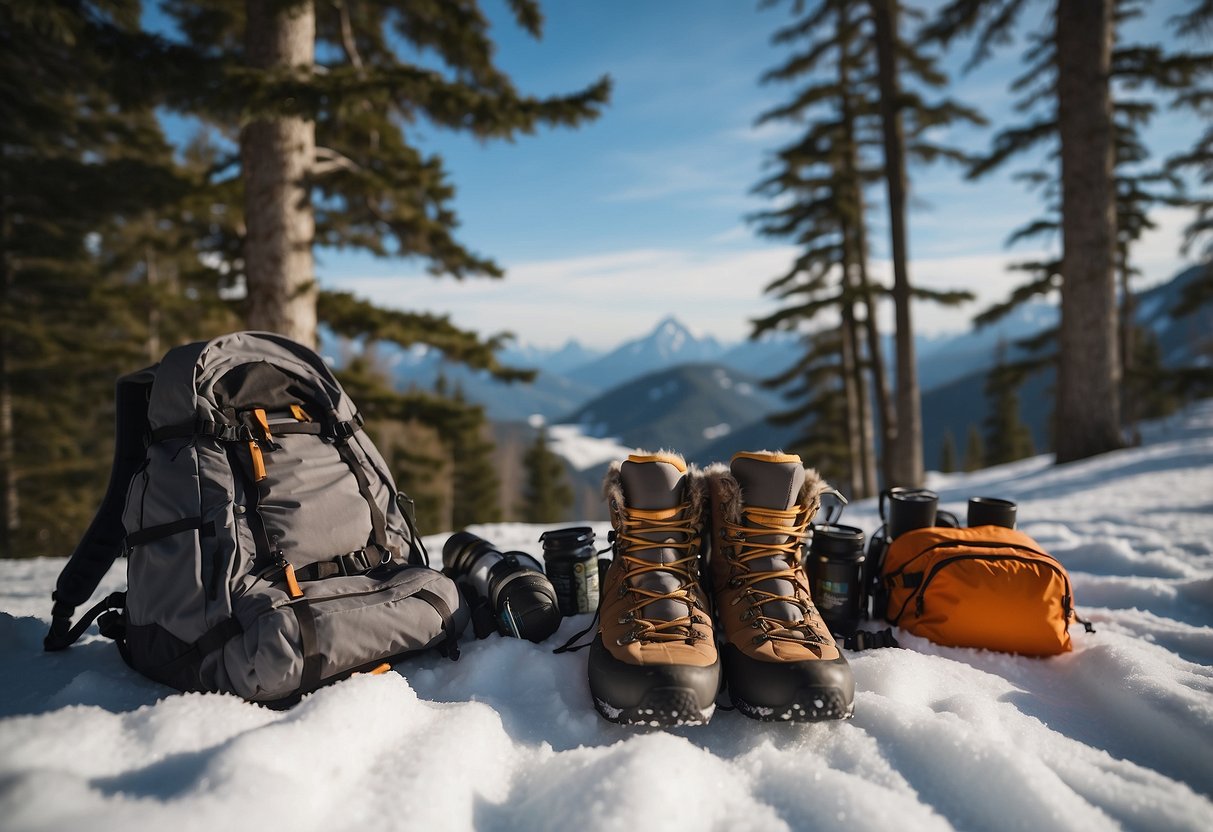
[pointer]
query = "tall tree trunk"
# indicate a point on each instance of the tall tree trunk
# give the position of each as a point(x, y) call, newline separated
point(880, 377)
point(277, 154)
point(851, 394)
point(1088, 382)
point(9, 515)
point(863, 393)
point(866, 436)
point(854, 253)
point(907, 467)
point(154, 351)
point(1129, 389)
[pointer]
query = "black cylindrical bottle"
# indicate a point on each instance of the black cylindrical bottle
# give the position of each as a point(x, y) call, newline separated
point(572, 566)
point(836, 562)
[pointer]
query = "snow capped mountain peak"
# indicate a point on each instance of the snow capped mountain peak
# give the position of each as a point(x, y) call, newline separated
point(673, 339)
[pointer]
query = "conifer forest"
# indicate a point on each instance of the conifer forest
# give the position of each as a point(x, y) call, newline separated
point(172, 170)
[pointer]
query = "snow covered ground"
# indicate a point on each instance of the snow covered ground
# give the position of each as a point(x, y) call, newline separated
point(1117, 734)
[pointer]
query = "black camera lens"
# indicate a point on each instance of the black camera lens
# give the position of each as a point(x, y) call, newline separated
point(509, 591)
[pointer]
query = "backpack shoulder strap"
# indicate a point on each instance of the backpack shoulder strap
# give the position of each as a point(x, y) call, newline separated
point(103, 541)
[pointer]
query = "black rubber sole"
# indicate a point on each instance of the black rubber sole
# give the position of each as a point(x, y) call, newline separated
point(659, 696)
point(660, 708)
point(809, 705)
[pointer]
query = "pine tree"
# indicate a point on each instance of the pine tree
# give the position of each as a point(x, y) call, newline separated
point(947, 453)
point(477, 487)
point(817, 385)
point(325, 96)
point(94, 257)
point(546, 495)
point(822, 178)
point(1070, 73)
point(975, 451)
point(906, 466)
point(1196, 24)
point(1007, 438)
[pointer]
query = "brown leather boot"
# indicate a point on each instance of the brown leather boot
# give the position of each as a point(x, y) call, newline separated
point(654, 659)
point(780, 661)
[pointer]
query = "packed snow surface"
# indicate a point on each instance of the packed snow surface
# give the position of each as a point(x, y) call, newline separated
point(1117, 734)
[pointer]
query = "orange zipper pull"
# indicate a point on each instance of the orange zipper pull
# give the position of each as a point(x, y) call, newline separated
point(300, 414)
point(292, 584)
point(263, 420)
point(258, 461)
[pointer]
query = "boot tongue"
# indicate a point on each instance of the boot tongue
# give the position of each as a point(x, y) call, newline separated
point(771, 481)
point(654, 483)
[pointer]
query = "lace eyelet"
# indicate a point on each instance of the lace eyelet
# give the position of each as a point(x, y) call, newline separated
point(759, 639)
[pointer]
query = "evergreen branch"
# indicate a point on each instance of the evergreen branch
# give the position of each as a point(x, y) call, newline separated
point(1033, 230)
point(529, 16)
point(800, 64)
point(994, 20)
point(944, 297)
point(1014, 141)
point(1049, 278)
point(486, 113)
point(806, 25)
point(1197, 22)
point(793, 314)
point(1039, 341)
point(328, 160)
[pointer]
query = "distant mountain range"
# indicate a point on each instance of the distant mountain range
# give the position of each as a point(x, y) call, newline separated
point(686, 408)
point(675, 388)
point(571, 375)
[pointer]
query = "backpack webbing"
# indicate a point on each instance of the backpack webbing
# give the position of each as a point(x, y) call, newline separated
point(105, 538)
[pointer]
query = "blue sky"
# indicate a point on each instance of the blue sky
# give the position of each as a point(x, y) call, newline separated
point(606, 229)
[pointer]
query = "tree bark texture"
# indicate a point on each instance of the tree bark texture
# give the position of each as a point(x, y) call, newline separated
point(277, 152)
point(9, 503)
point(1128, 348)
point(1088, 384)
point(851, 393)
point(906, 468)
point(880, 378)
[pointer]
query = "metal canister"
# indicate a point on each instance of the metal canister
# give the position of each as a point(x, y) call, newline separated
point(572, 566)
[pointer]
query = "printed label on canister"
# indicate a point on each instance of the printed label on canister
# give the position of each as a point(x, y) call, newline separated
point(585, 582)
point(831, 595)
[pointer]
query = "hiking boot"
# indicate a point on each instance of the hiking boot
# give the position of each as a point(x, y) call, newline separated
point(654, 660)
point(780, 661)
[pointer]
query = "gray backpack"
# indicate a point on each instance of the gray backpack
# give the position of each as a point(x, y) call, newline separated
point(268, 549)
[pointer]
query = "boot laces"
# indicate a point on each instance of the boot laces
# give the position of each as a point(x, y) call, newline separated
point(792, 525)
point(671, 529)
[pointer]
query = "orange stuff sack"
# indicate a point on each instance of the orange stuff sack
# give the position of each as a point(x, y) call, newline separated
point(988, 587)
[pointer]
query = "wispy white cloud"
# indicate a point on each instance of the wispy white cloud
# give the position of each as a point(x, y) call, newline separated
point(737, 234)
point(604, 298)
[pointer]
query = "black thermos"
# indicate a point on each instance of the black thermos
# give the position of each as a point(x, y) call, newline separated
point(836, 564)
point(572, 566)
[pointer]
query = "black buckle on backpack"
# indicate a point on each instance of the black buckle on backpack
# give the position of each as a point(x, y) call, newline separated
point(344, 430)
point(354, 563)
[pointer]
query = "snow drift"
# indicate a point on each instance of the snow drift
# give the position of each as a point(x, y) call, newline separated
point(1116, 734)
